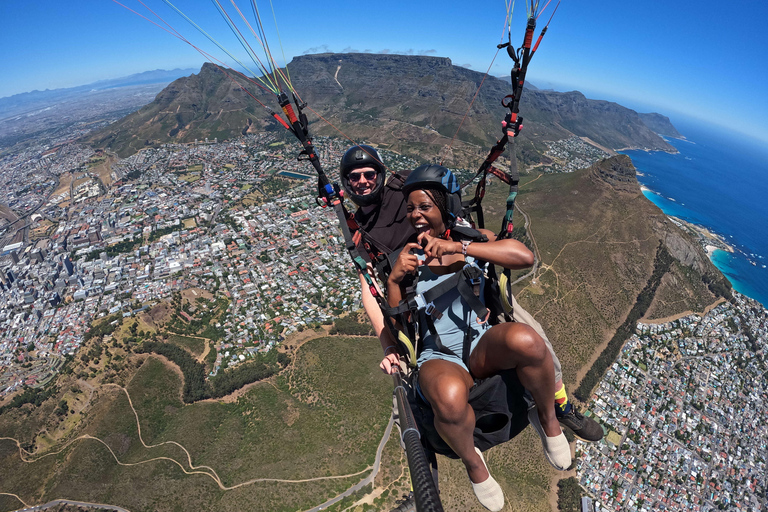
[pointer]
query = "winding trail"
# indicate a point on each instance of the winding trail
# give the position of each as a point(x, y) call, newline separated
point(28, 457)
point(594, 238)
point(14, 496)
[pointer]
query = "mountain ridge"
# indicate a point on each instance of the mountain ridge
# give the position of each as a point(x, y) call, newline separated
point(412, 104)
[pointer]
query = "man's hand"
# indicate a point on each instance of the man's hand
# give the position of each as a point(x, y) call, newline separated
point(389, 362)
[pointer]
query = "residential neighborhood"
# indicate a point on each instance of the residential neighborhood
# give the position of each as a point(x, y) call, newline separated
point(89, 236)
point(685, 408)
point(236, 219)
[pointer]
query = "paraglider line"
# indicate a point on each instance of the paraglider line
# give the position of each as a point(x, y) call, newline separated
point(470, 104)
point(244, 43)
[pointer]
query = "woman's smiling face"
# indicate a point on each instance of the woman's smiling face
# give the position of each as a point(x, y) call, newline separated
point(424, 214)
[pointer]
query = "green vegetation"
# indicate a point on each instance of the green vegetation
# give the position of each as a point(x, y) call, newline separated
point(569, 495)
point(354, 324)
point(32, 396)
point(520, 233)
point(114, 250)
point(263, 367)
point(275, 186)
point(323, 417)
point(196, 387)
point(133, 175)
point(718, 285)
point(161, 232)
point(200, 320)
point(608, 356)
point(104, 327)
point(210, 359)
point(194, 345)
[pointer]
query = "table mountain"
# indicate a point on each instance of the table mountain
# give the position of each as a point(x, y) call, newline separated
point(412, 104)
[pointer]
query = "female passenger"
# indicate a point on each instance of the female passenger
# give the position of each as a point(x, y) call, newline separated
point(444, 379)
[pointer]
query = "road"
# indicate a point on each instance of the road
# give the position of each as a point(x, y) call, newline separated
point(56, 503)
point(536, 253)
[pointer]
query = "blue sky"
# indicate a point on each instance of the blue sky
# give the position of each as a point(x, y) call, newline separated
point(698, 58)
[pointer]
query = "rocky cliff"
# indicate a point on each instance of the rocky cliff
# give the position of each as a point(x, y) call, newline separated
point(660, 124)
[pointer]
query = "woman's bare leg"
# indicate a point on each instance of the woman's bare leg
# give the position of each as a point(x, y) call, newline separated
point(517, 346)
point(446, 387)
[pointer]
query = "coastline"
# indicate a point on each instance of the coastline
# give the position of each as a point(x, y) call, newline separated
point(709, 240)
point(732, 242)
point(649, 150)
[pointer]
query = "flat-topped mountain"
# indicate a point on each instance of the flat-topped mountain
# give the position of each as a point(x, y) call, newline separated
point(411, 104)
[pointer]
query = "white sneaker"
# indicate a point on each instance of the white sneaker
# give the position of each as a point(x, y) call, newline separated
point(489, 492)
point(556, 449)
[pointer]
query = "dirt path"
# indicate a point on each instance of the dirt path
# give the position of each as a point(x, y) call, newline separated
point(206, 350)
point(561, 475)
point(291, 344)
point(199, 470)
point(552, 495)
point(14, 496)
point(189, 468)
point(681, 315)
point(205, 353)
point(171, 366)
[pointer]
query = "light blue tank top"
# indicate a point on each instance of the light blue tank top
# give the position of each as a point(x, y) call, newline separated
point(457, 318)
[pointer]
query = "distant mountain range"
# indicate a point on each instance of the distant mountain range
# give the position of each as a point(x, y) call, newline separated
point(410, 104)
point(19, 103)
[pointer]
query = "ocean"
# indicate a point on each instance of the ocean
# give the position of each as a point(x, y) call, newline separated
point(718, 180)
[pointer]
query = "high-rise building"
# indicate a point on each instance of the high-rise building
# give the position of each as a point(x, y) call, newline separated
point(68, 265)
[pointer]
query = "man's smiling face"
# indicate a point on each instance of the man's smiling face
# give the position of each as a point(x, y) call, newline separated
point(362, 181)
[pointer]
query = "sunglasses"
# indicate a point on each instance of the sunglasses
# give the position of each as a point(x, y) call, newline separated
point(355, 177)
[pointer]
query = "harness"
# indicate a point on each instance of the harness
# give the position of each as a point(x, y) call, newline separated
point(420, 308)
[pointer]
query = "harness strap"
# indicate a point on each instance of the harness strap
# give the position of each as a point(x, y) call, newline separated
point(422, 306)
point(466, 343)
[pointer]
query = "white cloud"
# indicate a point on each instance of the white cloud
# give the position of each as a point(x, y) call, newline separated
point(323, 48)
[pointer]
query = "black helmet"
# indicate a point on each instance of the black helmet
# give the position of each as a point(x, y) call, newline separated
point(437, 177)
point(355, 158)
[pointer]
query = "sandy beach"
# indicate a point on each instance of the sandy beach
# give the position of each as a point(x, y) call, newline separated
point(718, 241)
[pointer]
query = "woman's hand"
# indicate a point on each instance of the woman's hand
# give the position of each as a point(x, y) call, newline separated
point(390, 361)
point(407, 263)
point(438, 247)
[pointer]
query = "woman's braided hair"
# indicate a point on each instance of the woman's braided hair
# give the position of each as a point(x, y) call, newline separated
point(437, 195)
